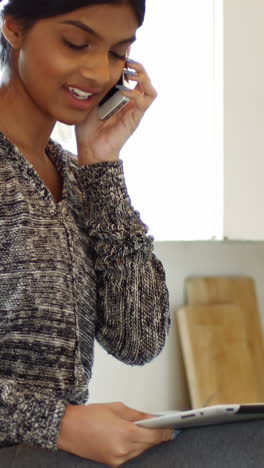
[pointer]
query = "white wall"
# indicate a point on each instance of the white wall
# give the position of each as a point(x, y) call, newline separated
point(243, 118)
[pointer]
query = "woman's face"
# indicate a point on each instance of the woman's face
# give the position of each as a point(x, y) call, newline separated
point(64, 59)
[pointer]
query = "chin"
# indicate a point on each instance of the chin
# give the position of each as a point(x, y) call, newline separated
point(70, 120)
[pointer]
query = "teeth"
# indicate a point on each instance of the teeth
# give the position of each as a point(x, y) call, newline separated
point(79, 94)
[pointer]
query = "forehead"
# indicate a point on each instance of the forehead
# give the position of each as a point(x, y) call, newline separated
point(117, 20)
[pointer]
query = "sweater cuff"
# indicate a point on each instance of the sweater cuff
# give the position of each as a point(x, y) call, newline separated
point(39, 422)
point(32, 418)
point(103, 183)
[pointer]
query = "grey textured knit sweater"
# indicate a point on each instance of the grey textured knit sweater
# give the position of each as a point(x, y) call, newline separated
point(70, 272)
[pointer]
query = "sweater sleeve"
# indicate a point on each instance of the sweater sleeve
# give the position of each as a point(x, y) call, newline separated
point(29, 417)
point(133, 307)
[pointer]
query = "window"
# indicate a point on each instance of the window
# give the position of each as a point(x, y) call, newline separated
point(174, 162)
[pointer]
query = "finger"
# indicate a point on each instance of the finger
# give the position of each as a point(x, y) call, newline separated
point(141, 101)
point(137, 66)
point(143, 94)
point(141, 76)
point(145, 86)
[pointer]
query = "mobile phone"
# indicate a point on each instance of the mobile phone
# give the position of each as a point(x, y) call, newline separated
point(113, 101)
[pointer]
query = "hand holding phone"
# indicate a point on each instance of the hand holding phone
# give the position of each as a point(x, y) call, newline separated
point(100, 139)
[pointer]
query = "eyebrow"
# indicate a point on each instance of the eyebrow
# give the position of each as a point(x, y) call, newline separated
point(86, 28)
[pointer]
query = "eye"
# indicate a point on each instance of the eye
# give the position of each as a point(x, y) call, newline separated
point(74, 46)
point(81, 47)
point(118, 56)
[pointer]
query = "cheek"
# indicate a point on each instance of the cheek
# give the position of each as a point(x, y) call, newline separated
point(38, 68)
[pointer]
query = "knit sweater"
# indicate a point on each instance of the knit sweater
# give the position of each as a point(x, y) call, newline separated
point(70, 272)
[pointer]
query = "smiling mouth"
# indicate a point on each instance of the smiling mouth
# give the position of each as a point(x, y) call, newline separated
point(78, 93)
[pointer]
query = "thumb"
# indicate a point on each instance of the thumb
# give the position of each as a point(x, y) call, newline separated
point(130, 414)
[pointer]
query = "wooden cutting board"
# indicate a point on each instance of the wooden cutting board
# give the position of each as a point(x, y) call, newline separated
point(241, 292)
point(216, 354)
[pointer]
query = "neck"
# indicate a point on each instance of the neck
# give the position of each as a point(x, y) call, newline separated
point(21, 120)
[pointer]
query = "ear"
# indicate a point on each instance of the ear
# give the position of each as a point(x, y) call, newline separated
point(13, 32)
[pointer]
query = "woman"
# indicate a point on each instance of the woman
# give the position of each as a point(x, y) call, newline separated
point(76, 262)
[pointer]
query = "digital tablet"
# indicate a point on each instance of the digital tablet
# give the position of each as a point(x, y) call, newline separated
point(218, 414)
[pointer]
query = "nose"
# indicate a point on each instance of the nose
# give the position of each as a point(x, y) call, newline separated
point(97, 68)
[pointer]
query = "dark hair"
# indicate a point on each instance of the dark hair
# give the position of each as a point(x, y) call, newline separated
point(30, 11)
